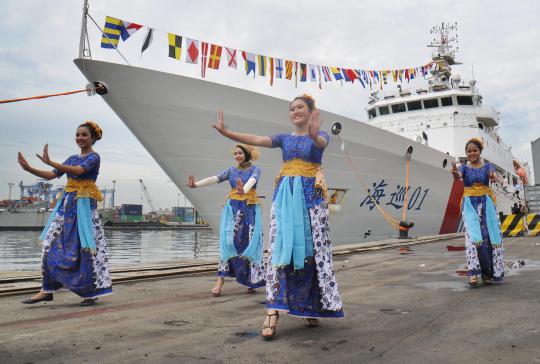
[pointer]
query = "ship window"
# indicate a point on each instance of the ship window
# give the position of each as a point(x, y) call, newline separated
point(383, 110)
point(398, 108)
point(414, 105)
point(446, 101)
point(372, 113)
point(464, 100)
point(431, 103)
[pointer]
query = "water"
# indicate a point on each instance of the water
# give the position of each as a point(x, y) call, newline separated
point(20, 250)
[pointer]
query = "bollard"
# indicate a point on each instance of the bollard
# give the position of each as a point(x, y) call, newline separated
point(404, 227)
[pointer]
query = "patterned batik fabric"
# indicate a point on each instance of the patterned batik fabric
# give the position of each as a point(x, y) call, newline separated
point(64, 263)
point(312, 291)
point(247, 273)
point(483, 259)
point(301, 147)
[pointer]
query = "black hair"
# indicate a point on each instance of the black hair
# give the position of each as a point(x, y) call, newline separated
point(95, 131)
point(247, 154)
point(476, 142)
point(310, 101)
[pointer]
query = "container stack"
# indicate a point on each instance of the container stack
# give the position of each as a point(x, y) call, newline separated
point(184, 214)
point(131, 213)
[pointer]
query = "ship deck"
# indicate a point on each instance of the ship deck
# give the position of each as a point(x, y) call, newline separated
point(399, 309)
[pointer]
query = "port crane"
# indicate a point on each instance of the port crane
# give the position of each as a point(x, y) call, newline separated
point(147, 195)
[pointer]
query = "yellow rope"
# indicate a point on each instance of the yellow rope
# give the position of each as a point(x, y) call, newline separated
point(386, 215)
point(404, 213)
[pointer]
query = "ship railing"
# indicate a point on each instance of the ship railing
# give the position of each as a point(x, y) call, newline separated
point(505, 190)
point(423, 124)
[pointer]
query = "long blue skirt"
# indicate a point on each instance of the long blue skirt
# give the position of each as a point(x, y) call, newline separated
point(245, 272)
point(65, 264)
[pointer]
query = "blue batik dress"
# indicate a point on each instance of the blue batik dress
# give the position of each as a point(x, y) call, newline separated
point(483, 257)
point(65, 264)
point(300, 278)
point(244, 213)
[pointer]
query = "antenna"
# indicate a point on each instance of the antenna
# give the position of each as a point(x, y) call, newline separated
point(84, 52)
point(443, 57)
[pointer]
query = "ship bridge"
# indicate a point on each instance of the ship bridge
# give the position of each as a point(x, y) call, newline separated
point(445, 113)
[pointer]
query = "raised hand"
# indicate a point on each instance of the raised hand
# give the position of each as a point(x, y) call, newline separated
point(45, 157)
point(191, 181)
point(22, 161)
point(314, 124)
point(219, 125)
point(455, 171)
point(239, 186)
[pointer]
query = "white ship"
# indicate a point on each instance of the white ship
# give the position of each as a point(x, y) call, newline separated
point(32, 210)
point(23, 219)
point(173, 117)
point(447, 113)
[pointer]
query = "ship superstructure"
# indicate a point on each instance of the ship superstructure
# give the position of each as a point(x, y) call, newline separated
point(446, 113)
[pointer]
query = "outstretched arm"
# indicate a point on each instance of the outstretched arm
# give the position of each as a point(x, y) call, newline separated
point(251, 139)
point(48, 175)
point(75, 170)
point(203, 182)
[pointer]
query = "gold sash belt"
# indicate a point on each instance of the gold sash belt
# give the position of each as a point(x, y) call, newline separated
point(84, 188)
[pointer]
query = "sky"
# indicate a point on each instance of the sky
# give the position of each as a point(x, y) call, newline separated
point(497, 42)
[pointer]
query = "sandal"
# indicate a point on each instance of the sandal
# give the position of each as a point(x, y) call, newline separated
point(312, 322)
point(269, 326)
point(487, 281)
point(251, 290)
point(473, 281)
point(44, 297)
point(88, 302)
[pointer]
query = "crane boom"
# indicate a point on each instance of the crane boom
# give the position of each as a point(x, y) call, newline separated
point(147, 195)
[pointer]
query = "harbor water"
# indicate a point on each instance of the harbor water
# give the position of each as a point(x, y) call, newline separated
point(21, 250)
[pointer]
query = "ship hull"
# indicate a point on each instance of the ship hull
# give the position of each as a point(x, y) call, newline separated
point(171, 116)
point(23, 220)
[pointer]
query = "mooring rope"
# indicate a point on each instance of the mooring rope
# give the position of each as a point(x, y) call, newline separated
point(386, 215)
point(42, 96)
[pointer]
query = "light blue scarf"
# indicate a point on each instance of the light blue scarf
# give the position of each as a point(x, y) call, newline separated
point(472, 221)
point(254, 250)
point(85, 225)
point(293, 240)
point(227, 250)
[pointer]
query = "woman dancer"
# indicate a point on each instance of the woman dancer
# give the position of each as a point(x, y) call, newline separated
point(300, 278)
point(241, 242)
point(483, 241)
point(74, 247)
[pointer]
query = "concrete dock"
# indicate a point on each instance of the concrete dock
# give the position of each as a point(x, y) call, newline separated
point(400, 308)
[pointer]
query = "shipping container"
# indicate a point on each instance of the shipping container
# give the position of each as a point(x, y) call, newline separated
point(107, 215)
point(127, 209)
point(188, 215)
point(132, 218)
point(185, 213)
